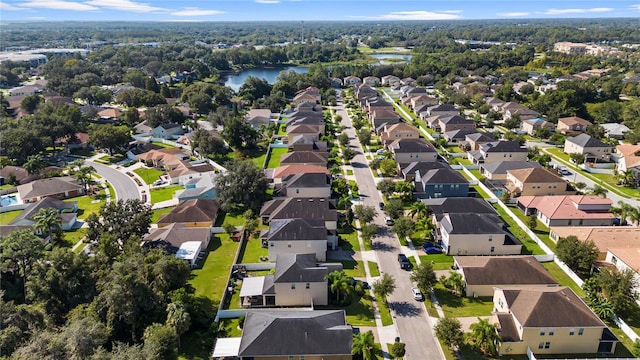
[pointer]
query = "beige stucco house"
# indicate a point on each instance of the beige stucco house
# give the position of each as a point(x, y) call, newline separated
point(593, 149)
point(475, 234)
point(401, 130)
point(409, 150)
point(537, 181)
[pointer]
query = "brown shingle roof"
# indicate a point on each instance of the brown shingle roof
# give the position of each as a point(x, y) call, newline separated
point(503, 270)
point(176, 234)
point(192, 211)
point(550, 307)
point(535, 175)
point(300, 157)
point(574, 120)
point(283, 171)
point(47, 187)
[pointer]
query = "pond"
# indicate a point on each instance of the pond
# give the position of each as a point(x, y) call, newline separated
point(236, 80)
point(386, 59)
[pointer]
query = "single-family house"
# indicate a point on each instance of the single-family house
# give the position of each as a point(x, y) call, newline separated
point(628, 158)
point(285, 335)
point(187, 139)
point(142, 128)
point(615, 130)
point(604, 237)
point(379, 117)
point(422, 100)
point(440, 183)
point(364, 92)
point(183, 171)
point(352, 80)
point(298, 280)
point(498, 170)
point(498, 151)
point(443, 109)
point(371, 80)
point(409, 150)
point(432, 122)
point(26, 90)
point(399, 130)
point(408, 81)
point(376, 103)
point(202, 187)
point(297, 236)
point(160, 156)
point(302, 208)
point(458, 136)
point(593, 149)
point(192, 213)
point(530, 126)
point(536, 181)
point(282, 172)
point(478, 138)
point(481, 274)
point(409, 170)
point(21, 176)
point(258, 117)
point(77, 141)
point(548, 320)
point(475, 234)
point(304, 185)
point(55, 187)
point(509, 109)
point(167, 131)
point(572, 125)
point(302, 130)
point(495, 103)
point(335, 82)
point(390, 80)
point(626, 259)
point(66, 210)
point(455, 122)
point(568, 210)
point(174, 236)
point(304, 158)
point(306, 143)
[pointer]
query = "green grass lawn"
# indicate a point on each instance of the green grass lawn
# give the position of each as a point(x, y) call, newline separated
point(477, 174)
point(156, 214)
point(72, 237)
point(454, 149)
point(610, 180)
point(459, 161)
point(7, 217)
point(349, 172)
point(274, 157)
point(360, 312)
point(456, 306)
point(350, 240)
point(529, 246)
point(541, 229)
point(353, 268)
point(383, 308)
point(439, 261)
point(562, 278)
point(163, 193)
point(161, 144)
point(231, 327)
point(112, 192)
point(373, 269)
point(149, 175)
point(251, 251)
point(258, 158)
point(108, 159)
point(211, 280)
point(88, 204)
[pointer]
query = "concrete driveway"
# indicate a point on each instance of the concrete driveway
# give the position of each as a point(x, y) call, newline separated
point(410, 316)
point(123, 185)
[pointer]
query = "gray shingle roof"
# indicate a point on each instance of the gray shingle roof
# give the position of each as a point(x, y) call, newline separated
point(586, 141)
point(502, 146)
point(467, 223)
point(459, 205)
point(504, 270)
point(409, 145)
point(443, 176)
point(304, 208)
point(296, 229)
point(298, 268)
point(32, 209)
point(481, 137)
point(284, 333)
point(501, 167)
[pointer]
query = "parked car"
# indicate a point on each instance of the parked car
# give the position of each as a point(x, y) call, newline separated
point(433, 250)
point(388, 221)
point(380, 151)
point(381, 205)
point(417, 295)
point(404, 262)
point(427, 244)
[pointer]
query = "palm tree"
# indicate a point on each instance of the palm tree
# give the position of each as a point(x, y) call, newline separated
point(34, 164)
point(622, 211)
point(47, 220)
point(344, 202)
point(405, 188)
point(339, 283)
point(178, 318)
point(384, 286)
point(83, 176)
point(363, 345)
point(598, 191)
point(634, 215)
point(419, 210)
point(485, 336)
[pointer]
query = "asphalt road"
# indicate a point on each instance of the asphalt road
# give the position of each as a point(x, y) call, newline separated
point(123, 185)
point(410, 316)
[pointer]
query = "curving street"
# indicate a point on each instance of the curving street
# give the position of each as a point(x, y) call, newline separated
point(123, 185)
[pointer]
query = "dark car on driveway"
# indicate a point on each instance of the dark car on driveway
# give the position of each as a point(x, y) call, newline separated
point(404, 262)
point(433, 250)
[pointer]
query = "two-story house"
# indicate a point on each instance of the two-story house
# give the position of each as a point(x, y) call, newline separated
point(400, 130)
point(572, 125)
point(317, 158)
point(478, 138)
point(167, 131)
point(530, 126)
point(406, 151)
point(475, 234)
point(304, 185)
point(381, 116)
point(593, 149)
point(498, 151)
point(443, 109)
point(548, 320)
point(296, 236)
point(455, 122)
point(258, 117)
point(535, 181)
point(438, 183)
point(498, 170)
point(303, 208)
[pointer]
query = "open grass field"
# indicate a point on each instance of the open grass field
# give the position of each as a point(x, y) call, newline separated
point(438, 261)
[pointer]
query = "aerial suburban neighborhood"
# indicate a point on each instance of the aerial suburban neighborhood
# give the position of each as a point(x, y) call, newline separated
point(319, 190)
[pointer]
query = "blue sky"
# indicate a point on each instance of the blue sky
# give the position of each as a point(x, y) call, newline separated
point(282, 10)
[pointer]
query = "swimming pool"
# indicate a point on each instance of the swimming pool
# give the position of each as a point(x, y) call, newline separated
point(8, 200)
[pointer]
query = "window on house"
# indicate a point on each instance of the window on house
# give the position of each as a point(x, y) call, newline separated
point(493, 249)
point(541, 345)
point(297, 191)
point(552, 331)
point(572, 331)
point(547, 345)
point(272, 244)
point(490, 237)
point(288, 244)
point(291, 357)
point(542, 332)
point(614, 260)
point(307, 286)
point(293, 286)
point(580, 331)
point(302, 357)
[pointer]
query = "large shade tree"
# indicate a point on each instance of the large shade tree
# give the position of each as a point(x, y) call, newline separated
point(242, 187)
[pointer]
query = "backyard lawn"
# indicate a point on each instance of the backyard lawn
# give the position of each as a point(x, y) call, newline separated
point(562, 278)
point(149, 175)
point(211, 279)
point(72, 237)
point(163, 193)
point(252, 251)
point(541, 229)
point(439, 261)
point(530, 246)
point(274, 157)
point(258, 158)
point(156, 214)
point(7, 217)
point(457, 306)
point(360, 311)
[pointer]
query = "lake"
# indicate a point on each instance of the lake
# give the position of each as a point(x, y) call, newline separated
point(381, 58)
point(236, 80)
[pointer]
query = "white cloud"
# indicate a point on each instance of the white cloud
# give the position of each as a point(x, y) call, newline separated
point(7, 7)
point(126, 5)
point(635, 6)
point(513, 14)
point(268, 1)
point(59, 5)
point(192, 11)
point(413, 15)
point(451, 11)
point(575, 11)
